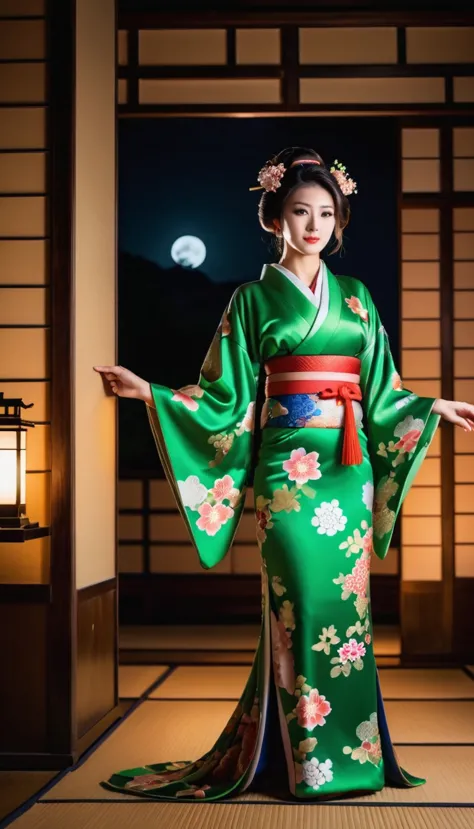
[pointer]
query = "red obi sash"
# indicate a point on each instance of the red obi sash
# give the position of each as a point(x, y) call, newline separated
point(328, 376)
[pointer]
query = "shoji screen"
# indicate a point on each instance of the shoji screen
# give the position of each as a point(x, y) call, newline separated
point(154, 538)
point(421, 347)
point(463, 245)
point(24, 291)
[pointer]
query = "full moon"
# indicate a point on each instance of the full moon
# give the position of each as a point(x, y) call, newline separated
point(188, 251)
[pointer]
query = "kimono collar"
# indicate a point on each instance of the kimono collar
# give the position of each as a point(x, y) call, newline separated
point(315, 297)
point(295, 294)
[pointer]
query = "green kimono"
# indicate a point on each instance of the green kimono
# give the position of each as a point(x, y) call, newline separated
point(318, 523)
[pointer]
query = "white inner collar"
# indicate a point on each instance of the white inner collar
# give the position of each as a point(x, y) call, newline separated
point(305, 289)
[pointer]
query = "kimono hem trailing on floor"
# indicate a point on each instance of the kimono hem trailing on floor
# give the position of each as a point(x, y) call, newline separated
point(319, 521)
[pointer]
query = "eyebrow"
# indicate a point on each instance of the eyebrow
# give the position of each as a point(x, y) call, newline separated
point(309, 205)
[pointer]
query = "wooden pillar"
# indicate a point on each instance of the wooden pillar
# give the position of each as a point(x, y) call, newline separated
point(58, 617)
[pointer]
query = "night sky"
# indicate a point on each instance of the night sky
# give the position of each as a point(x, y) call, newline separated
point(183, 176)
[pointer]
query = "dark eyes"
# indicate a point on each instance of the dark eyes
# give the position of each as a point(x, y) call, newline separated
point(300, 210)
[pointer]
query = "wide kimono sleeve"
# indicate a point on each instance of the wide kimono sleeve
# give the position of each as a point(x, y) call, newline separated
point(204, 435)
point(399, 425)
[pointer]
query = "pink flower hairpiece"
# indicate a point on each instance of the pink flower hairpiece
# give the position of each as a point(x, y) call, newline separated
point(270, 176)
point(347, 184)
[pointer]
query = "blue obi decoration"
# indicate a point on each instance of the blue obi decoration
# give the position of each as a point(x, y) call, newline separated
point(299, 409)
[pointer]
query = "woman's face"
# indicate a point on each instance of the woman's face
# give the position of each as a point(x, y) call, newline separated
point(308, 219)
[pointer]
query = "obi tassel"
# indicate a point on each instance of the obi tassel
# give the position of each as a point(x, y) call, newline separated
point(328, 376)
point(351, 450)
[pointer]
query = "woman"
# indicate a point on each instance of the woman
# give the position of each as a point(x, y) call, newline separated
point(341, 441)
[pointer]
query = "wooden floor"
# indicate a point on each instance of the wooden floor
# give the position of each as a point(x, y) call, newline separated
point(176, 707)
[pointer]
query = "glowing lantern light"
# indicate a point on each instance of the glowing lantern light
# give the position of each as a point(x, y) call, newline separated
point(13, 464)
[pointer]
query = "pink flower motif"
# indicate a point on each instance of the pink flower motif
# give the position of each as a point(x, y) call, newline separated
point(312, 709)
point(185, 395)
point(186, 400)
point(408, 441)
point(146, 781)
point(302, 467)
point(351, 651)
point(355, 305)
point(247, 424)
point(397, 384)
point(213, 517)
point(374, 749)
point(234, 497)
point(270, 175)
point(283, 661)
point(356, 582)
point(224, 488)
point(346, 184)
point(368, 638)
point(202, 791)
point(367, 541)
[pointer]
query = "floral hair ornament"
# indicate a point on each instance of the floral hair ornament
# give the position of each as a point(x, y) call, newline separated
point(271, 174)
point(347, 184)
point(269, 177)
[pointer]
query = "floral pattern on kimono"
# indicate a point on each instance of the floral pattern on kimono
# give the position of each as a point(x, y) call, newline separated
point(395, 462)
point(370, 749)
point(218, 412)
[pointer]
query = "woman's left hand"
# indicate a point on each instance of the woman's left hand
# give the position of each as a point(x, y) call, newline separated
point(462, 414)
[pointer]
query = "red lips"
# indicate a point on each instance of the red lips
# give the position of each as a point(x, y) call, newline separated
point(311, 239)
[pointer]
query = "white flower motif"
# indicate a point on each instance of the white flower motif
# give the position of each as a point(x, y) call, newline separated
point(192, 492)
point(329, 518)
point(399, 404)
point(409, 424)
point(368, 495)
point(316, 774)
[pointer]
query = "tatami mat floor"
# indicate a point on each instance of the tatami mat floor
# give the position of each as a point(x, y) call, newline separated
point(243, 816)
point(134, 680)
point(178, 710)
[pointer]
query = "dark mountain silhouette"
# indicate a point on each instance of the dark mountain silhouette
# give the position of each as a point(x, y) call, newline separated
point(166, 320)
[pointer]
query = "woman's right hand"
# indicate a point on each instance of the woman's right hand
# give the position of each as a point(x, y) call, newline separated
point(125, 383)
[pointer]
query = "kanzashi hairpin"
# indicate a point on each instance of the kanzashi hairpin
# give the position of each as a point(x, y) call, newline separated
point(347, 184)
point(270, 175)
